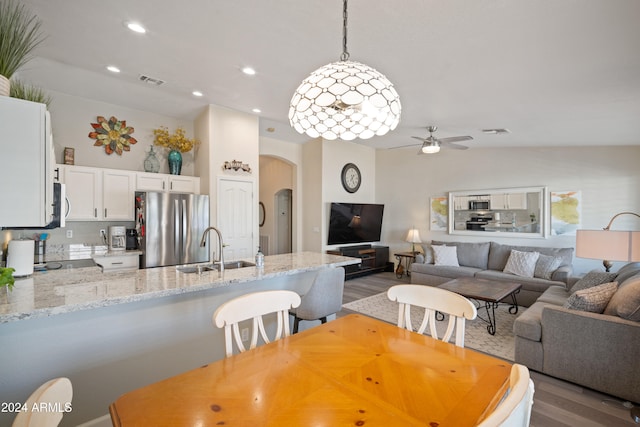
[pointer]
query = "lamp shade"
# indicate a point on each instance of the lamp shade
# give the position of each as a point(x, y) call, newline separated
point(345, 100)
point(608, 245)
point(413, 236)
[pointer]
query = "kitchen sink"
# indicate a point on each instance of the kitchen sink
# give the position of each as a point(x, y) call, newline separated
point(237, 264)
point(199, 268)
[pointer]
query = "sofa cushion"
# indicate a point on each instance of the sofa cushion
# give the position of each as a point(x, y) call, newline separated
point(499, 254)
point(592, 278)
point(528, 324)
point(593, 299)
point(445, 255)
point(443, 270)
point(625, 302)
point(546, 265)
point(556, 295)
point(521, 263)
point(427, 254)
point(627, 271)
point(470, 254)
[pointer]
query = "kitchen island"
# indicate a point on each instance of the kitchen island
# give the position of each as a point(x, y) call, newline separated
point(114, 332)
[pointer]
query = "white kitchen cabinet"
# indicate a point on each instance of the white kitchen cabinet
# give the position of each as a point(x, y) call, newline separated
point(508, 201)
point(118, 193)
point(96, 194)
point(83, 192)
point(517, 200)
point(184, 184)
point(461, 203)
point(162, 182)
point(146, 181)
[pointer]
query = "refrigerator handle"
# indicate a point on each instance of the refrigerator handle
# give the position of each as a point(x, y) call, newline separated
point(177, 229)
point(186, 236)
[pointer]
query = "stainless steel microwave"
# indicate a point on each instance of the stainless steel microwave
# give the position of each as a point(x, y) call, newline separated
point(478, 205)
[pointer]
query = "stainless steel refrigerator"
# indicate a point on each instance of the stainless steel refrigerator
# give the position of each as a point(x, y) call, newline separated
point(170, 226)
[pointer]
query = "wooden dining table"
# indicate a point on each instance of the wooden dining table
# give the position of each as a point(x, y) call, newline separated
point(352, 371)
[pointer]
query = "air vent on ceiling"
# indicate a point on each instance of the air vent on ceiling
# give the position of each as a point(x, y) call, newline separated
point(150, 80)
point(496, 131)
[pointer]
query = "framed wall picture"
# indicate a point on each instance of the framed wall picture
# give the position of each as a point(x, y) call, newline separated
point(68, 155)
point(439, 210)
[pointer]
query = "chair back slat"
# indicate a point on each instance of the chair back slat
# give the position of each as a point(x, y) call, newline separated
point(253, 306)
point(433, 300)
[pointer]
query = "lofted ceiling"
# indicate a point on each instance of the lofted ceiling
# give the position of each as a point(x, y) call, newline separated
point(553, 72)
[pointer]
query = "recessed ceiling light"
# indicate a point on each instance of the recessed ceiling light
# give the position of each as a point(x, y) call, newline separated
point(257, 110)
point(134, 26)
point(196, 93)
point(113, 69)
point(249, 71)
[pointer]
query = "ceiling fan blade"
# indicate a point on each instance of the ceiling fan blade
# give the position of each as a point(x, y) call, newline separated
point(417, 137)
point(454, 146)
point(455, 139)
point(403, 146)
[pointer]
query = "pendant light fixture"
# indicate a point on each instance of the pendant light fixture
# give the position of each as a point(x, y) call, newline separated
point(345, 100)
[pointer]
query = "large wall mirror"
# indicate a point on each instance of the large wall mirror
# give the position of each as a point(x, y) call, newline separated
point(509, 212)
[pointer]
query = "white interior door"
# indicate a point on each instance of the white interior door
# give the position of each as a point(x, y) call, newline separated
point(236, 218)
point(283, 222)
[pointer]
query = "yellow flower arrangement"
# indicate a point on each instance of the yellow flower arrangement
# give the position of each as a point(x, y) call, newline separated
point(178, 141)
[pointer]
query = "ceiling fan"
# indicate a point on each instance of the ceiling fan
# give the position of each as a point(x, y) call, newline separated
point(431, 144)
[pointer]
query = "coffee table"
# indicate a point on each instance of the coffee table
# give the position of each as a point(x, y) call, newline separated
point(489, 291)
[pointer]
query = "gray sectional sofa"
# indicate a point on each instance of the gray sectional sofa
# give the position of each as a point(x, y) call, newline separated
point(596, 350)
point(487, 260)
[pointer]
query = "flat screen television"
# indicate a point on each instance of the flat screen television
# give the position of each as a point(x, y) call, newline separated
point(354, 223)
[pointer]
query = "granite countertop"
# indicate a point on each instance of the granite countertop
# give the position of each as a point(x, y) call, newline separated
point(73, 289)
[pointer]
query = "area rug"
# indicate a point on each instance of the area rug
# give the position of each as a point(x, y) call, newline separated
point(476, 336)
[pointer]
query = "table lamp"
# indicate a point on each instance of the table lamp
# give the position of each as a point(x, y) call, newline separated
point(413, 237)
point(609, 245)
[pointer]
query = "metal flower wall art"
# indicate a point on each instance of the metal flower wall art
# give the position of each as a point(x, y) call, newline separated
point(113, 135)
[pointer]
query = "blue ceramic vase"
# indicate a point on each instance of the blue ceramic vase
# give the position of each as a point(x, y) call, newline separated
point(175, 162)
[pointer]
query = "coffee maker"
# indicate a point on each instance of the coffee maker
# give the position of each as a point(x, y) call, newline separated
point(117, 238)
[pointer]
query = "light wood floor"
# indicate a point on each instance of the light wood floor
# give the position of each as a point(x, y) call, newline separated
point(557, 403)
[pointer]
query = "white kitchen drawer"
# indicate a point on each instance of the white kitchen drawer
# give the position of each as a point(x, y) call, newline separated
point(118, 262)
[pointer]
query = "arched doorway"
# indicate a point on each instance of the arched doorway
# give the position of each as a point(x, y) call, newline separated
point(283, 224)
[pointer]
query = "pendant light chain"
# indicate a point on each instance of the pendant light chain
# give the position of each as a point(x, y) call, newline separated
point(345, 52)
point(345, 100)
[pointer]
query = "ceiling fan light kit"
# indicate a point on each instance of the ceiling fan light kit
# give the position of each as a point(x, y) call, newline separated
point(345, 100)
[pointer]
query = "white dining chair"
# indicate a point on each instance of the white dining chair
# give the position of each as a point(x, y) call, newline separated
point(323, 299)
point(515, 408)
point(254, 306)
point(56, 394)
point(433, 300)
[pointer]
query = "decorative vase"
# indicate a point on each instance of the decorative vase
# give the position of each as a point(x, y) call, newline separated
point(175, 162)
point(4, 86)
point(151, 163)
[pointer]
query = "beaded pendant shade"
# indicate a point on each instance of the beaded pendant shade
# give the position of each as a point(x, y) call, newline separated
point(345, 100)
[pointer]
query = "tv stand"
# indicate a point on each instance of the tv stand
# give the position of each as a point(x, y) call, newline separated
point(374, 259)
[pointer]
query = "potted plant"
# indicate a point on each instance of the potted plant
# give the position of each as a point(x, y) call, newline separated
point(177, 143)
point(19, 36)
point(6, 277)
point(27, 92)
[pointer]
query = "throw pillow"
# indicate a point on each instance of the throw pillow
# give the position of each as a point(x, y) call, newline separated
point(546, 265)
point(445, 255)
point(592, 278)
point(625, 302)
point(521, 263)
point(427, 253)
point(593, 299)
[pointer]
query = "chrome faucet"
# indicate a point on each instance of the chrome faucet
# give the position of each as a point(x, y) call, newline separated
point(203, 243)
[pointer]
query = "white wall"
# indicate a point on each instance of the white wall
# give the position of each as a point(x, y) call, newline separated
point(71, 118)
point(608, 178)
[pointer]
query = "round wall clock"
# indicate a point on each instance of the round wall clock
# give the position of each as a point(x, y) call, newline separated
point(351, 177)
